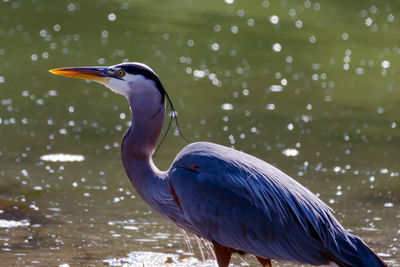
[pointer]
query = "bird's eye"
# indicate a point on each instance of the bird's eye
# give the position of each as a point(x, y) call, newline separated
point(121, 73)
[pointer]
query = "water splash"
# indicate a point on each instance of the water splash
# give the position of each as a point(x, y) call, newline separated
point(153, 259)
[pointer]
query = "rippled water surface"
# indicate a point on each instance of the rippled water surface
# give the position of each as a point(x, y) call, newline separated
point(311, 87)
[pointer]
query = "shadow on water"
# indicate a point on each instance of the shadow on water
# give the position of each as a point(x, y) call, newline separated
point(22, 212)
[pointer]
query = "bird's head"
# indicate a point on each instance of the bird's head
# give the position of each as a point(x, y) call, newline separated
point(141, 86)
point(129, 79)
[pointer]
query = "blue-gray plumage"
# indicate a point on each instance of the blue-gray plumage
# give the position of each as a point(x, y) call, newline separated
point(236, 201)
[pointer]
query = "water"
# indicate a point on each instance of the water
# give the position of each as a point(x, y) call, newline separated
point(311, 87)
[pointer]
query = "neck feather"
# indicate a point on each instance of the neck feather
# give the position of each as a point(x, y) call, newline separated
point(148, 112)
point(137, 146)
point(141, 138)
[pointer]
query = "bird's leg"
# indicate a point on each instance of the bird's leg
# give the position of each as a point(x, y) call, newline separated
point(264, 262)
point(223, 254)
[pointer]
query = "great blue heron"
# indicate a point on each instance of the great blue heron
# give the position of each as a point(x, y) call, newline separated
point(236, 201)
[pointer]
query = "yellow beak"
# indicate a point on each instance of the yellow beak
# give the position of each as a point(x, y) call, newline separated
point(98, 74)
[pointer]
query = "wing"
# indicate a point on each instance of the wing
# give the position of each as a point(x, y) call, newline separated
point(242, 202)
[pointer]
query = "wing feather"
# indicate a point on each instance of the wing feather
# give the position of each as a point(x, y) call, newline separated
point(245, 203)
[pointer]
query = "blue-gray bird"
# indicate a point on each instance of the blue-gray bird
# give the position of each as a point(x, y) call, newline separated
point(236, 201)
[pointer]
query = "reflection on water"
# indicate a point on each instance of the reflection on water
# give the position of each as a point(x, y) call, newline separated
point(12, 223)
point(60, 157)
point(311, 87)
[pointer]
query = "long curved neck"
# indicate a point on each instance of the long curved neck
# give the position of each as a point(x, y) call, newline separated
point(141, 138)
point(138, 144)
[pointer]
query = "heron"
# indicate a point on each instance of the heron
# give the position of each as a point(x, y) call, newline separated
point(238, 202)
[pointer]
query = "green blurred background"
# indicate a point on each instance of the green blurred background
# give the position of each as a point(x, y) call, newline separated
point(311, 87)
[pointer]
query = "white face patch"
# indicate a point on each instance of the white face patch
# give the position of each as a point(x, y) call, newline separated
point(121, 86)
point(131, 85)
point(118, 86)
